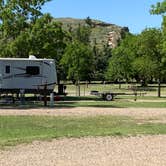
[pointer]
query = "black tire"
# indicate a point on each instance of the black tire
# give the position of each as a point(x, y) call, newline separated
point(109, 97)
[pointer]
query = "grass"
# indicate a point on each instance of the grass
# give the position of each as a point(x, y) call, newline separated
point(71, 101)
point(112, 104)
point(24, 129)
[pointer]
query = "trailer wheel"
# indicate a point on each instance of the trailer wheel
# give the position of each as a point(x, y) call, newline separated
point(109, 97)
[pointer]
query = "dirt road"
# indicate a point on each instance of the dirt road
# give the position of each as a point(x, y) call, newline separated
point(88, 111)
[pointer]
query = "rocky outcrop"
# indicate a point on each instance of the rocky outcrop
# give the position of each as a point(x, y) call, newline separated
point(102, 33)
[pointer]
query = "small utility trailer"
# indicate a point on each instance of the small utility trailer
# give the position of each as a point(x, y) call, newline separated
point(109, 96)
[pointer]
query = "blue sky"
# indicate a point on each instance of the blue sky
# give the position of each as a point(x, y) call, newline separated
point(131, 13)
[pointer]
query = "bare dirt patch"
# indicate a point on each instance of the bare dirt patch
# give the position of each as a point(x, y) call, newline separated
point(138, 113)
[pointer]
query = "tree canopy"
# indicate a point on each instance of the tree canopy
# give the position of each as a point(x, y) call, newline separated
point(16, 15)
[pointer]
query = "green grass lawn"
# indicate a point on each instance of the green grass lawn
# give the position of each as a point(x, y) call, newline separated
point(112, 104)
point(23, 129)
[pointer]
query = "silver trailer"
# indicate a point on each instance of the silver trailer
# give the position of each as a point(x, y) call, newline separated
point(30, 75)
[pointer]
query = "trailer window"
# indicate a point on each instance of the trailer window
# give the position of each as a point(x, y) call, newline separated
point(32, 70)
point(7, 69)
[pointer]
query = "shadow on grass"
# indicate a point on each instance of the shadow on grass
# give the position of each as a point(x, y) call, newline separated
point(17, 106)
point(86, 104)
point(162, 97)
point(81, 98)
point(80, 105)
point(67, 101)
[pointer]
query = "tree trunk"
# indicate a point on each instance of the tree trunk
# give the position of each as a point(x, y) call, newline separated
point(119, 85)
point(78, 88)
point(144, 83)
point(159, 88)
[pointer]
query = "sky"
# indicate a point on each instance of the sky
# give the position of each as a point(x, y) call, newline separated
point(133, 14)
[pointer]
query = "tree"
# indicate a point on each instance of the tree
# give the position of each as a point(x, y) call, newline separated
point(89, 22)
point(15, 15)
point(81, 34)
point(120, 64)
point(45, 39)
point(48, 39)
point(144, 67)
point(150, 50)
point(101, 61)
point(16, 20)
point(78, 62)
point(159, 8)
point(19, 47)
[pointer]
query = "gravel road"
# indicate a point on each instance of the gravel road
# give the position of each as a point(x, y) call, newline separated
point(99, 151)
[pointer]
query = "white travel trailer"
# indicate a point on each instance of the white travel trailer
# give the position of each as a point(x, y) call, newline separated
point(31, 75)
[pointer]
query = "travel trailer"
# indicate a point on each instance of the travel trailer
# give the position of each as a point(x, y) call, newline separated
point(30, 75)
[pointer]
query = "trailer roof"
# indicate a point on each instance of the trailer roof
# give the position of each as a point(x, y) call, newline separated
point(25, 59)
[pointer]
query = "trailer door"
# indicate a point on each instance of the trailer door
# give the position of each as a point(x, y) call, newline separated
point(34, 74)
point(49, 74)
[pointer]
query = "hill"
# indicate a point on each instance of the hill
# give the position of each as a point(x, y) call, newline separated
point(102, 33)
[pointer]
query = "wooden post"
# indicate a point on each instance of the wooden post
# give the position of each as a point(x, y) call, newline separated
point(159, 88)
point(135, 93)
point(22, 96)
point(45, 95)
